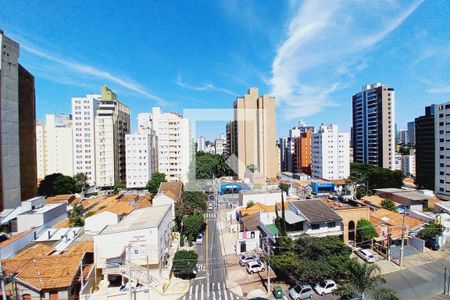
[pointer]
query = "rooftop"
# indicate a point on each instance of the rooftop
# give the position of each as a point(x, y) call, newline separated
point(172, 189)
point(395, 219)
point(391, 190)
point(316, 211)
point(257, 207)
point(251, 222)
point(259, 192)
point(374, 200)
point(413, 195)
point(139, 219)
point(15, 237)
point(43, 209)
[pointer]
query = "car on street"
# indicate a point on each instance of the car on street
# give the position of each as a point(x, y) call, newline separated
point(351, 296)
point(301, 291)
point(246, 258)
point(432, 244)
point(199, 239)
point(366, 255)
point(325, 287)
point(255, 267)
point(210, 206)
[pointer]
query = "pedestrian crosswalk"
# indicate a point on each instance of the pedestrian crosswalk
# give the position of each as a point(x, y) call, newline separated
point(209, 215)
point(216, 291)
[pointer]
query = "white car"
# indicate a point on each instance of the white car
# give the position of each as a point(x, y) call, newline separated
point(255, 267)
point(301, 291)
point(199, 239)
point(325, 287)
point(366, 255)
point(246, 258)
point(210, 206)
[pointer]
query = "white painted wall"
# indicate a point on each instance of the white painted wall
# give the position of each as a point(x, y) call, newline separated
point(139, 159)
point(98, 222)
point(58, 145)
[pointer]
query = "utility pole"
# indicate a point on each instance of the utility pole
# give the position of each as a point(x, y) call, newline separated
point(2, 281)
point(267, 262)
point(403, 241)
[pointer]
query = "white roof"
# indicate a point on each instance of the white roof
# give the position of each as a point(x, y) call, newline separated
point(139, 219)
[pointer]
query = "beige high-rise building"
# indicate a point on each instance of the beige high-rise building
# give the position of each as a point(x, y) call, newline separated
point(253, 138)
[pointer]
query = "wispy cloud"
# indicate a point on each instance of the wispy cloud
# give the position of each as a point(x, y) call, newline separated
point(325, 46)
point(66, 65)
point(204, 87)
point(439, 90)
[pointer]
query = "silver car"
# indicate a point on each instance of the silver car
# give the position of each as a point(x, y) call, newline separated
point(301, 291)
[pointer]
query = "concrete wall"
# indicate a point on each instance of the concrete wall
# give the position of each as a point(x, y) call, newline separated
point(98, 222)
point(17, 245)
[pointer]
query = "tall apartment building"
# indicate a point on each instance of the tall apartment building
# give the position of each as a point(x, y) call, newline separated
point(112, 123)
point(255, 133)
point(231, 137)
point(411, 133)
point(140, 158)
point(220, 145)
point(201, 146)
point(18, 178)
point(374, 126)
point(330, 153)
point(302, 152)
point(403, 137)
point(425, 149)
point(40, 161)
point(287, 146)
point(409, 164)
point(84, 110)
point(175, 144)
point(58, 145)
point(442, 150)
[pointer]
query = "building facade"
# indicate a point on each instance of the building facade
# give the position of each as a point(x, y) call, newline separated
point(84, 110)
point(442, 150)
point(174, 142)
point(409, 164)
point(140, 161)
point(18, 174)
point(255, 133)
point(112, 123)
point(330, 153)
point(302, 152)
point(425, 149)
point(58, 145)
point(40, 161)
point(374, 126)
point(411, 133)
point(201, 146)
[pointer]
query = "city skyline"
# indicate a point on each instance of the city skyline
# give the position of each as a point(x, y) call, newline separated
point(307, 81)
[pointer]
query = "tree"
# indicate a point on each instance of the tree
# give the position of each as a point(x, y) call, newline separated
point(64, 185)
point(283, 188)
point(430, 231)
point(364, 278)
point(81, 180)
point(252, 168)
point(250, 204)
point(153, 184)
point(208, 166)
point(192, 226)
point(184, 262)
point(119, 186)
point(365, 231)
point(76, 216)
point(388, 204)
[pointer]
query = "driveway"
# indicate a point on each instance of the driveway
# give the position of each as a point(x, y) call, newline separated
point(407, 251)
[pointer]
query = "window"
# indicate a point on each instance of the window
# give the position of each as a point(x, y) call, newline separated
point(331, 224)
point(315, 226)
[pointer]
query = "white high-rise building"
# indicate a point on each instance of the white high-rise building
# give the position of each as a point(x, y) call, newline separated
point(330, 153)
point(58, 143)
point(40, 129)
point(442, 150)
point(140, 160)
point(112, 123)
point(220, 144)
point(84, 110)
point(409, 164)
point(201, 144)
point(174, 142)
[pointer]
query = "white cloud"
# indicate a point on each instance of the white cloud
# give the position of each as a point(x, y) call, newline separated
point(65, 65)
point(204, 87)
point(439, 90)
point(325, 46)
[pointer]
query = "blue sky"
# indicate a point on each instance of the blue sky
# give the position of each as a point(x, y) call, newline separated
point(312, 55)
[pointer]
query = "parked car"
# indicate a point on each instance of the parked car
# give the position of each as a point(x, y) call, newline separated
point(210, 206)
point(246, 258)
point(432, 244)
point(301, 291)
point(255, 267)
point(199, 239)
point(325, 287)
point(366, 255)
point(352, 296)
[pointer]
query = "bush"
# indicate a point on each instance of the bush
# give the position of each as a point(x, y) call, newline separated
point(184, 263)
point(430, 231)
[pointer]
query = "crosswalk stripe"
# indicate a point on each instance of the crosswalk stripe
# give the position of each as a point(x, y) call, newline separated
point(225, 292)
point(196, 292)
point(201, 289)
point(190, 291)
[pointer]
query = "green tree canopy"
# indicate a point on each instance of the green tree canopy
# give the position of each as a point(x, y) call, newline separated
point(388, 204)
point(209, 166)
point(153, 184)
point(81, 180)
point(365, 231)
point(57, 184)
point(193, 225)
point(430, 231)
point(364, 278)
point(76, 218)
point(119, 186)
point(185, 260)
point(375, 177)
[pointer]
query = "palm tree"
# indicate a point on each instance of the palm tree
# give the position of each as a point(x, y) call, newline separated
point(283, 188)
point(365, 278)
